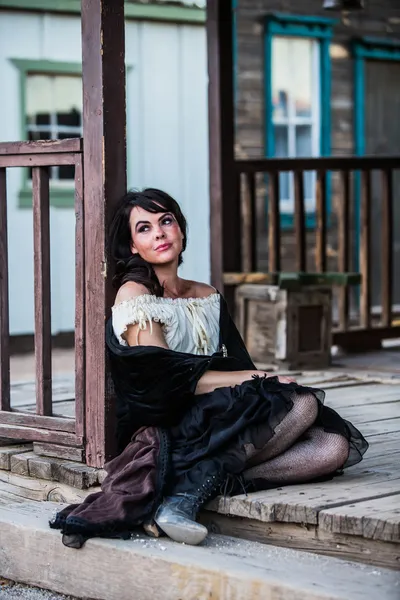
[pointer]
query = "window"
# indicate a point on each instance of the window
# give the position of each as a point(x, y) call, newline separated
point(50, 108)
point(297, 92)
point(54, 112)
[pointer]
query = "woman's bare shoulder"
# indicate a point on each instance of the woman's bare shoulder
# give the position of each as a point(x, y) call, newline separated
point(202, 290)
point(129, 290)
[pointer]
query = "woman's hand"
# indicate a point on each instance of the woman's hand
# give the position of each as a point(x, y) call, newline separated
point(212, 380)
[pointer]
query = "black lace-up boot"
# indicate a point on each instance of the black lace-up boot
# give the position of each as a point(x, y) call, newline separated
point(177, 514)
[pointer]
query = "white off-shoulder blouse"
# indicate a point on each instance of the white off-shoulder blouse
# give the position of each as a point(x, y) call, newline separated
point(189, 324)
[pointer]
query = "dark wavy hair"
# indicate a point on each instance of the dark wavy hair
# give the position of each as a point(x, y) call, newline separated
point(132, 267)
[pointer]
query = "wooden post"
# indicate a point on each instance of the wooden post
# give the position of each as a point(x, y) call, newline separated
point(225, 213)
point(103, 53)
point(4, 315)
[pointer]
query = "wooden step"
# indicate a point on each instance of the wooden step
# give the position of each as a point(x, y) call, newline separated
point(143, 568)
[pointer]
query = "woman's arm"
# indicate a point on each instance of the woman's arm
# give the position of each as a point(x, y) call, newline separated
point(208, 382)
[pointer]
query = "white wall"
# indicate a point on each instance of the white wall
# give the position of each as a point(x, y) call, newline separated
point(167, 143)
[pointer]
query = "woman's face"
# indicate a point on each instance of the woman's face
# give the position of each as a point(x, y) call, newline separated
point(157, 237)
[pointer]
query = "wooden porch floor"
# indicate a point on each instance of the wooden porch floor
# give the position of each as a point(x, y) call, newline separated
point(355, 516)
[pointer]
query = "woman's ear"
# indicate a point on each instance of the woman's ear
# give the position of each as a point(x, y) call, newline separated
point(133, 249)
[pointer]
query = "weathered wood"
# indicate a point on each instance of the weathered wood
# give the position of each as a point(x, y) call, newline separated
point(331, 163)
point(36, 434)
point(7, 451)
point(4, 315)
point(361, 340)
point(104, 183)
point(41, 253)
point(249, 214)
point(223, 568)
point(240, 278)
point(225, 216)
point(37, 160)
point(274, 224)
point(344, 248)
point(377, 519)
point(20, 487)
point(320, 209)
point(79, 336)
point(365, 250)
point(310, 539)
point(29, 420)
point(387, 247)
point(57, 451)
point(41, 147)
point(299, 221)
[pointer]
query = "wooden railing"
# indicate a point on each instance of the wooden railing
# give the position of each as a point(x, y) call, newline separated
point(42, 426)
point(260, 179)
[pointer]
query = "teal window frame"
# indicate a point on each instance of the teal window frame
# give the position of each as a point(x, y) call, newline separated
point(61, 197)
point(365, 48)
point(314, 28)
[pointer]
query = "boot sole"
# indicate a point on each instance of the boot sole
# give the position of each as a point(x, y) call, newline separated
point(184, 534)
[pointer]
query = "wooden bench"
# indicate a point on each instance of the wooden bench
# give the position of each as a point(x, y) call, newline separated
point(286, 318)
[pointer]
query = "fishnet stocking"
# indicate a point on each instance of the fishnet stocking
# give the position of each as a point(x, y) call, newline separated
point(296, 422)
point(318, 453)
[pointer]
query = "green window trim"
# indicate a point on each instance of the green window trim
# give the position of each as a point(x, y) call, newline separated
point(59, 197)
point(135, 11)
point(365, 48)
point(311, 27)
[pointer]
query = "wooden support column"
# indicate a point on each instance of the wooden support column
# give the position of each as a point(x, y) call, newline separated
point(103, 54)
point(225, 213)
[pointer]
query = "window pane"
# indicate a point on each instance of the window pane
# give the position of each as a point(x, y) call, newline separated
point(38, 95)
point(280, 76)
point(304, 148)
point(302, 57)
point(281, 150)
point(68, 100)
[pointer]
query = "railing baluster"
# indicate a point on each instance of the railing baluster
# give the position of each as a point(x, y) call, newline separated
point(4, 317)
point(41, 231)
point(365, 249)
point(79, 302)
point(343, 248)
point(387, 247)
point(299, 221)
point(249, 211)
point(320, 250)
point(274, 224)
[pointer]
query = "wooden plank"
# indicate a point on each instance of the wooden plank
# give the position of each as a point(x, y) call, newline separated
point(19, 432)
point(28, 420)
point(41, 147)
point(249, 215)
point(40, 490)
point(320, 209)
point(57, 451)
point(365, 250)
point(104, 183)
point(361, 339)
point(225, 568)
point(274, 224)
point(344, 248)
point(225, 213)
point(358, 415)
point(331, 163)
point(41, 252)
point(240, 278)
point(7, 451)
point(302, 503)
point(79, 302)
point(377, 519)
point(374, 428)
point(309, 539)
point(387, 247)
point(37, 160)
point(299, 221)
point(4, 313)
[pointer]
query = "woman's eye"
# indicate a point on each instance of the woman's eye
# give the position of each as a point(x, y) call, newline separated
point(143, 228)
point(167, 221)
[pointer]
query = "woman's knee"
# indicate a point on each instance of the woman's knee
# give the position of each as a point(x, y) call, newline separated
point(334, 452)
point(305, 407)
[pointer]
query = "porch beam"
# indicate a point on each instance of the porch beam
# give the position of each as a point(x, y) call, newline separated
point(103, 75)
point(225, 213)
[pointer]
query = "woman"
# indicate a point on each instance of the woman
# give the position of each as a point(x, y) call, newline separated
point(193, 411)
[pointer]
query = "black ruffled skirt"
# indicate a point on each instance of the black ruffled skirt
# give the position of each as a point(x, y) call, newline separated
point(212, 435)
